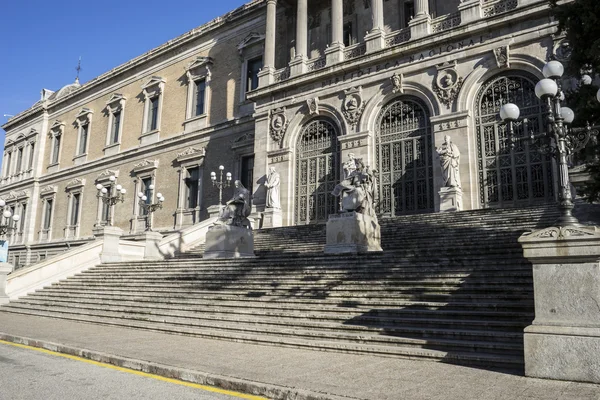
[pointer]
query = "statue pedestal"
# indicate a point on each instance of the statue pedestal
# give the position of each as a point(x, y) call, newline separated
point(228, 241)
point(450, 199)
point(5, 269)
point(564, 339)
point(152, 242)
point(352, 232)
point(272, 218)
point(110, 248)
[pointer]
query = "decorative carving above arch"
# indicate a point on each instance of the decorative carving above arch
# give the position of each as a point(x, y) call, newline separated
point(353, 106)
point(447, 83)
point(278, 124)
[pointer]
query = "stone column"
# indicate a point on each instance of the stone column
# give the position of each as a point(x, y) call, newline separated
point(375, 39)
point(265, 76)
point(335, 52)
point(298, 64)
point(420, 26)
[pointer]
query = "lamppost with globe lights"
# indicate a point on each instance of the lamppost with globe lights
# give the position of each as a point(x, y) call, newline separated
point(8, 217)
point(220, 183)
point(149, 208)
point(559, 139)
point(109, 199)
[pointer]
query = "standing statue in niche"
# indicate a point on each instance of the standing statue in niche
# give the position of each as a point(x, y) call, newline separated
point(357, 190)
point(450, 161)
point(237, 210)
point(272, 185)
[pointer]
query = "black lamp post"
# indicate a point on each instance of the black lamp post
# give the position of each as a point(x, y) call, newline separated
point(149, 208)
point(111, 199)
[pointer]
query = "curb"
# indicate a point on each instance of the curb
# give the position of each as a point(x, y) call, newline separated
point(270, 391)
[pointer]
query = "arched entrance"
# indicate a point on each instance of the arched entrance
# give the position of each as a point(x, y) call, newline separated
point(317, 172)
point(511, 178)
point(404, 158)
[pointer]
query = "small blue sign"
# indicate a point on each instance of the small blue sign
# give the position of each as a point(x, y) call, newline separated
point(3, 250)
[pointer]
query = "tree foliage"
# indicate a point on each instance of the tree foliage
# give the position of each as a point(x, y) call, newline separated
point(579, 20)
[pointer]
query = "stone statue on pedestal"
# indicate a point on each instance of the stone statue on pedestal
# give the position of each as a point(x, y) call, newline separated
point(272, 185)
point(237, 210)
point(349, 166)
point(450, 161)
point(357, 190)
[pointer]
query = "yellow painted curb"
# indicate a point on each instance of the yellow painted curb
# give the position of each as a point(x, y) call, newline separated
point(139, 373)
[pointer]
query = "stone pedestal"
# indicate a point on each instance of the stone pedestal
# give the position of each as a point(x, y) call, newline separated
point(266, 76)
point(450, 199)
point(420, 27)
point(298, 66)
point(470, 11)
point(227, 241)
point(213, 211)
point(563, 341)
point(110, 249)
point(334, 54)
point(375, 41)
point(152, 241)
point(272, 218)
point(352, 232)
point(5, 269)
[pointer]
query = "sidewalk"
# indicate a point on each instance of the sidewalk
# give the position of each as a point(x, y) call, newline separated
point(282, 373)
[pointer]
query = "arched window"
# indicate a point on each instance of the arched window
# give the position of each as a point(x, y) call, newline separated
point(508, 177)
point(404, 158)
point(317, 171)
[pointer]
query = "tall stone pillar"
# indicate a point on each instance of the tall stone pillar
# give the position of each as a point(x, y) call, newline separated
point(420, 26)
point(298, 64)
point(335, 52)
point(265, 76)
point(375, 39)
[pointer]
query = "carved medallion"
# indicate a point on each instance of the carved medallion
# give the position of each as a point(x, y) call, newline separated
point(447, 83)
point(502, 55)
point(562, 50)
point(313, 106)
point(279, 124)
point(353, 106)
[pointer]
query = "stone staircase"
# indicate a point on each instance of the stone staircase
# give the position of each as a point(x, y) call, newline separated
point(448, 287)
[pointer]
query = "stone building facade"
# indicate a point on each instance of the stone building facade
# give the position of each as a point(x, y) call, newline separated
point(297, 85)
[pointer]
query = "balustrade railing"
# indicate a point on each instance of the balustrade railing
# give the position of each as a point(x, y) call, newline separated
point(491, 8)
point(397, 37)
point(315, 64)
point(354, 51)
point(281, 74)
point(445, 22)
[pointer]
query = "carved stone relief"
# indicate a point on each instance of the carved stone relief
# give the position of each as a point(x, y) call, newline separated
point(353, 105)
point(562, 49)
point(447, 83)
point(279, 124)
point(397, 83)
point(313, 106)
point(502, 55)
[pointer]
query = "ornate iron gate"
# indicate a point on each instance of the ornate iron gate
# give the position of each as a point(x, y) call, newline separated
point(317, 172)
point(521, 176)
point(404, 159)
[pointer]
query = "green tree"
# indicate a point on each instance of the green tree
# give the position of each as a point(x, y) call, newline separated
point(579, 20)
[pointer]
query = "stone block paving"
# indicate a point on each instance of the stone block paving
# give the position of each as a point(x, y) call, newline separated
point(283, 373)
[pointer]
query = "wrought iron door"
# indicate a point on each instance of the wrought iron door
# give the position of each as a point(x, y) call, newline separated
point(404, 159)
point(521, 176)
point(317, 172)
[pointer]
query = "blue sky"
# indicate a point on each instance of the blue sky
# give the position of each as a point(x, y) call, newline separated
point(41, 41)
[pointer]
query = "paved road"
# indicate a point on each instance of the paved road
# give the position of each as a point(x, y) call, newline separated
point(31, 375)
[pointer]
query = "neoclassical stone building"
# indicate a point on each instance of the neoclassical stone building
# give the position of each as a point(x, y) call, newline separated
point(296, 85)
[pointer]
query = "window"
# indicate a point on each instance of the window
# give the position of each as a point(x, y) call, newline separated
point(31, 155)
point(105, 212)
point(115, 127)
point(83, 138)
point(55, 149)
point(48, 214)
point(75, 204)
point(19, 159)
point(152, 92)
point(247, 176)
point(199, 96)
point(191, 185)
point(7, 165)
point(23, 215)
point(153, 114)
point(348, 34)
point(254, 67)
point(409, 12)
point(145, 189)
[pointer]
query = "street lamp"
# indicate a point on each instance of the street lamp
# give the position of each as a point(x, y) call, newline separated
point(560, 139)
point(150, 207)
point(108, 198)
point(6, 225)
point(220, 183)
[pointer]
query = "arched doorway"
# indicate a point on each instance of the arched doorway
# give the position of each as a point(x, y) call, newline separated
point(404, 158)
point(520, 176)
point(317, 171)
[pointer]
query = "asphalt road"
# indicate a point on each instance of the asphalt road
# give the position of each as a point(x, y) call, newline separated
point(31, 375)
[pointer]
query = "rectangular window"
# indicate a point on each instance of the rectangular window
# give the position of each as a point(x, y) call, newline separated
point(145, 189)
point(48, 214)
point(191, 184)
point(83, 137)
point(105, 216)
point(200, 92)
point(348, 34)
point(247, 176)
point(254, 67)
point(75, 204)
point(153, 114)
point(31, 155)
point(116, 124)
point(23, 215)
point(19, 159)
point(409, 12)
point(56, 149)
